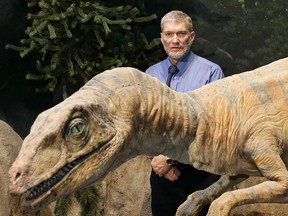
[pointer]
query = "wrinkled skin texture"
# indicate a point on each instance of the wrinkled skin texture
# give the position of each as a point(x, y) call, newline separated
point(10, 143)
point(235, 127)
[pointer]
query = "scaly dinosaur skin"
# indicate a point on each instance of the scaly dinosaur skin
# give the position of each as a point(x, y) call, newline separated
point(235, 127)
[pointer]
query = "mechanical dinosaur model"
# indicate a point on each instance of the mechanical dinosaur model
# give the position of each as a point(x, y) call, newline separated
point(10, 143)
point(235, 127)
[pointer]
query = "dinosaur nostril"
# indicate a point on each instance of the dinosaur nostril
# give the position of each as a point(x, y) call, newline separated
point(17, 175)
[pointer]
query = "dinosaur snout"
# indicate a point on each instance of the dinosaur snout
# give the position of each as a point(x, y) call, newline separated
point(16, 184)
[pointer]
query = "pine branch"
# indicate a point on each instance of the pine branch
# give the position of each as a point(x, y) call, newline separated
point(78, 39)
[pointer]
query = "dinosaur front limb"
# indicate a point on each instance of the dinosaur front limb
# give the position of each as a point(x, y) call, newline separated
point(196, 201)
point(260, 193)
point(273, 191)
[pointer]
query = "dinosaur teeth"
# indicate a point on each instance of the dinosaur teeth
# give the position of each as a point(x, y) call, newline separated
point(46, 185)
point(70, 165)
point(66, 169)
point(49, 183)
point(62, 173)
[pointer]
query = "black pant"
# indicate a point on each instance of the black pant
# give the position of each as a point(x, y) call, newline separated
point(168, 195)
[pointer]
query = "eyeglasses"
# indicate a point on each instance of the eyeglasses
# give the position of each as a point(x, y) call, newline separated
point(180, 34)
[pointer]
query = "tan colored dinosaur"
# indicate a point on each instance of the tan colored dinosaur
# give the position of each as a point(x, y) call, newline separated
point(236, 127)
point(10, 143)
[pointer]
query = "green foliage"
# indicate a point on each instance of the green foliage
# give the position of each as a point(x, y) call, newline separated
point(88, 198)
point(256, 32)
point(62, 206)
point(76, 39)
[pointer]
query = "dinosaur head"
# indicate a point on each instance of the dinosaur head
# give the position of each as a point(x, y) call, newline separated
point(69, 147)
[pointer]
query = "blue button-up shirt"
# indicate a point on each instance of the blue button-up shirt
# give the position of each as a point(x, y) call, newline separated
point(194, 72)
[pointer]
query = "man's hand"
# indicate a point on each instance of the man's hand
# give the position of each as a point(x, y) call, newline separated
point(161, 168)
point(173, 174)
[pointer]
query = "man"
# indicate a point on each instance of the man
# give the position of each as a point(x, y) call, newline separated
point(171, 182)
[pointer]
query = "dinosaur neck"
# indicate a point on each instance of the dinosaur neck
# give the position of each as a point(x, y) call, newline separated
point(170, 122)
point(152, 118)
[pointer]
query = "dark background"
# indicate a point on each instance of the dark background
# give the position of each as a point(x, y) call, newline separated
point(235, 39)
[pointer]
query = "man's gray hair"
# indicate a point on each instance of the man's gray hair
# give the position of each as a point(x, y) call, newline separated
point(177, 16)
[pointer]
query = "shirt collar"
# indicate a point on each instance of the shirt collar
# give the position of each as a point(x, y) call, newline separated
point(181, 65)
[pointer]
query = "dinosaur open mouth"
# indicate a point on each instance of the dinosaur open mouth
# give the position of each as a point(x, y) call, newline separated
point(45, 186)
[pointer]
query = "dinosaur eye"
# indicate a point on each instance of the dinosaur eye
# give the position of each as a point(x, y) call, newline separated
point(77, 128)
point(76, 133)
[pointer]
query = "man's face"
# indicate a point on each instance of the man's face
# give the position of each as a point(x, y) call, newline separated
point(176, 39)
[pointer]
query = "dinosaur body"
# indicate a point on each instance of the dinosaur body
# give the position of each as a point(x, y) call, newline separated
point(235, 127)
